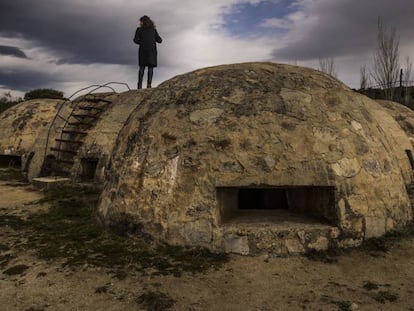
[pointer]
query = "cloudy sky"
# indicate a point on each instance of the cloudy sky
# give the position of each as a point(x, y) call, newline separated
point(70, 44)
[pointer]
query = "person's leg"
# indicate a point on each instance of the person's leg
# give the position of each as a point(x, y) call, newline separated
point(140, 76)
point(150, 74)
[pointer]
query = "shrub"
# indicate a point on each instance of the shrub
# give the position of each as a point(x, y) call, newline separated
point(7, 101)
point(43, 93)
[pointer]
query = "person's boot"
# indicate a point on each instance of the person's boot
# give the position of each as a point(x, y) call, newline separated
point(150, 74)
point(140, 77)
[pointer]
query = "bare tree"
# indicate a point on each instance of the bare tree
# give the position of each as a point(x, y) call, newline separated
point(364, 79)
point(386, 59)
point(327, 65)
point(407, 79)
point(407, 69)
point(6, 97)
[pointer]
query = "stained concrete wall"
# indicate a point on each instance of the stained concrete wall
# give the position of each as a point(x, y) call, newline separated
point(101, 138)
point(402, 114)
point(24, 129)
point(32, 127)
point(257, 124)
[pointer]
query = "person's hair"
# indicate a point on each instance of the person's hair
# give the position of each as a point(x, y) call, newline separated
point(146, 22)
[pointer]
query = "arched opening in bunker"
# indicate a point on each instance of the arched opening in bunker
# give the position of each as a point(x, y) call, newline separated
point(294, 204)
point(88, 169)
point(48, 166)
point(10, 161)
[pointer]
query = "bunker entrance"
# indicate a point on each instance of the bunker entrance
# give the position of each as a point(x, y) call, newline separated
point(298, 204)
point(48, 166)
point(88, 169)
point(13, 161)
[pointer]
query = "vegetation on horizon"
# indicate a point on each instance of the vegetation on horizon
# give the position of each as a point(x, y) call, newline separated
point(7, 101)
point(387, 72)
point(43, 93)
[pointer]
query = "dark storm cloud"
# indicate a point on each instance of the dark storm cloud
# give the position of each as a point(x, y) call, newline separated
point(12, 51)
point(79, 32)
point(347, 27)
point(26, 80)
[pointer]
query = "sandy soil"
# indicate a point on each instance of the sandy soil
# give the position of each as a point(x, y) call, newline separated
point(360, 280)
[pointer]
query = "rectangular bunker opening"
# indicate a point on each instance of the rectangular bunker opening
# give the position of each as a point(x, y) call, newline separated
point(299, 204)
point(88, 169)
point(13, 161)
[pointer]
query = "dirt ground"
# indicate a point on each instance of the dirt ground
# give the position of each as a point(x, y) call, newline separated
point(362, 279)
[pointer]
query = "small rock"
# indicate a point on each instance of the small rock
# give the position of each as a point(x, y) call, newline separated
point(236, 244)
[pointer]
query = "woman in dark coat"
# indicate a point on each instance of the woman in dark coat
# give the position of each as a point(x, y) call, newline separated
point(146, 36)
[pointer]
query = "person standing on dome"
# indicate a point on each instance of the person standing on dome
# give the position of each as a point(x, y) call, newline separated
point(147, 37)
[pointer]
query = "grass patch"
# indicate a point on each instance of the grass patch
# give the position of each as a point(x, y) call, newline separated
point(381, 245)
point(155, 301)
point(5, 259)
point(385, 243)
point(374, 246)
point(101, 289)
point(19, 269)
point(4, 247)
point(12, 221)
point(344, 305)
point(330, 256)
point(370, 285)
point(69, 230)
point(7, 174)
point(384, 296)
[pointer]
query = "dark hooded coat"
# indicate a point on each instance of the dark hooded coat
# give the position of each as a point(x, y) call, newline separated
point(147, 39)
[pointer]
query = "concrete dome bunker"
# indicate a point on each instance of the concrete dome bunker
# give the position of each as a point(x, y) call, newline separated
point(37, 136)
point(23, 129)
point(259, 157)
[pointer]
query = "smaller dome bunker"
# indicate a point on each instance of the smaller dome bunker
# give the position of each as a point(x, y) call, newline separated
point(258, 157)
point(402, 114)
point(23, 132)
point(82, 137)
point(63, 138)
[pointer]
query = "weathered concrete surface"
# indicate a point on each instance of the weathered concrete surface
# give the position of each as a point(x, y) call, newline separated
point(402, 114)
point(24, 129)
point(20, 125)
point(257, 124)
point(101, 138)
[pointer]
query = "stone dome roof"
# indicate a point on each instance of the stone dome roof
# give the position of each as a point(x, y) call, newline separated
point(23, 130)
point(258, 157)
point(402, 114)
point(30, 129)
point(21, 124)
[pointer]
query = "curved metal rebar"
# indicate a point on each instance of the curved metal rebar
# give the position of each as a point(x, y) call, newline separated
point(95, 88)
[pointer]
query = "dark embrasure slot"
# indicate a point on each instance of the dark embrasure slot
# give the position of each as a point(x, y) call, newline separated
point(313, 202)
point(13, 161)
